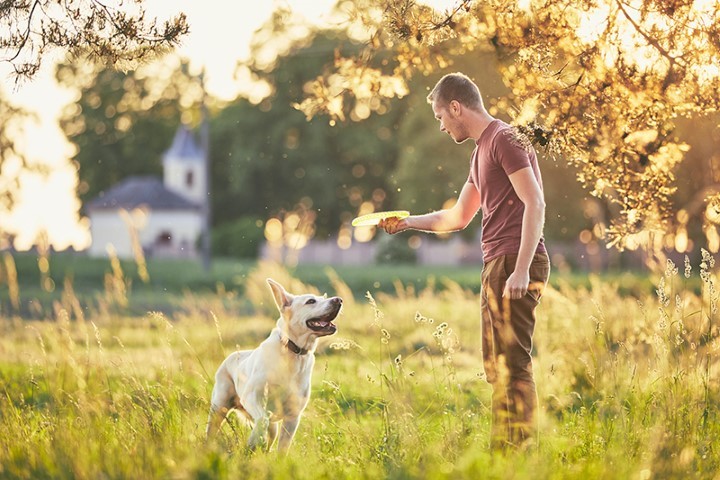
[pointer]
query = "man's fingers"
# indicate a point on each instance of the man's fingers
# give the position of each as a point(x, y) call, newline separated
point(514, 293)
point(387, 226)
point(390, 225)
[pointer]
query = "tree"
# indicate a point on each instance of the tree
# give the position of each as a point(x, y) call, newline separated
point(270, 159)
point(31, 28)
point(11, 121)
point(598, 83)
point(124, 121)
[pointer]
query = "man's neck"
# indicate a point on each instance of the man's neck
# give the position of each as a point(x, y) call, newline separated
point(480, 121)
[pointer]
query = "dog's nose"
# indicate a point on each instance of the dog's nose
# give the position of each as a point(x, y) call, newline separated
point(336, 300)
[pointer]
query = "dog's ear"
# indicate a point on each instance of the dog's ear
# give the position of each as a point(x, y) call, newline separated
point(282, 298)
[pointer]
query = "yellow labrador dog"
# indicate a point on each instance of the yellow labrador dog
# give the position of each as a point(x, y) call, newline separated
point(270, 386)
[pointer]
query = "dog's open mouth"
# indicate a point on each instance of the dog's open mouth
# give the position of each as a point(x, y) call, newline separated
point(323, 324)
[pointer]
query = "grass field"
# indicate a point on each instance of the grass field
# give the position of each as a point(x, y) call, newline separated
point(169, 282)
point(95, 387)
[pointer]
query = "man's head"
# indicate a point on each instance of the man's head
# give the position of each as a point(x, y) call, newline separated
point(456, 86)
point(453, 94)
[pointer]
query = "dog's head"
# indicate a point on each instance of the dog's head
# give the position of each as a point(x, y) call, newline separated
point(306, 314)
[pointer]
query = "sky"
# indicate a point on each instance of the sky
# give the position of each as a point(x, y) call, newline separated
point(220, 35)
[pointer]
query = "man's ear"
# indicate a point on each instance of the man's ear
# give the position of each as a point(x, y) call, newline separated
point(455, 108)
point(282, 298)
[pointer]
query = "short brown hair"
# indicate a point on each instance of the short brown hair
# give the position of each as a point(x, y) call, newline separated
point(456, 86)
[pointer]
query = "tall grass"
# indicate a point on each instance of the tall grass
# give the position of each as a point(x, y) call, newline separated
point(628, 386)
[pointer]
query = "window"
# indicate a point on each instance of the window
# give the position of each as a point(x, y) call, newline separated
point(189, 178)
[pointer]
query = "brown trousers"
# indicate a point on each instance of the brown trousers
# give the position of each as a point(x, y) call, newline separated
point(507, 331)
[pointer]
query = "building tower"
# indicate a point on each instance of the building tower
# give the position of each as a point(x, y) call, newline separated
point(184, 167)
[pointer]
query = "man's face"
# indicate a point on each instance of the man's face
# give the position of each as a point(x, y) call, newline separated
point(449, 117)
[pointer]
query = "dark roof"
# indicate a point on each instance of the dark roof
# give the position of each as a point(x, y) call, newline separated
point(135, 192)
point(184, 146)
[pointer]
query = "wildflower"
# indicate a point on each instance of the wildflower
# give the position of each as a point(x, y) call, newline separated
point(662, 323)
point(679, 304)
point(343, 345)
point(662, 294)
point(97, 336)
point(440, 330)
point(707, 257)
point(688, 267)
point(598, 324)
point(670, 269)
point(704, 274)
point(378, 314)
point(333, 386)
point(385, 336)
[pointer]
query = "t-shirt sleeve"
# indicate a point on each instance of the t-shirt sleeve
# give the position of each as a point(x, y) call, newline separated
point(509, 154)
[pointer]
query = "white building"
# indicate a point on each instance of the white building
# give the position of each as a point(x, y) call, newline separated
point(163, 217)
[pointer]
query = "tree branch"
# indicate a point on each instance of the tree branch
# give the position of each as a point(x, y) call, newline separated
point(449, 20)
point(26, 35)
point(651, 41)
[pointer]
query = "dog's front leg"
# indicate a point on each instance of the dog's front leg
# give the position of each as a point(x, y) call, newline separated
point(272, 433)
point(256, 405)
point(258, 436)
point(215, 418)
point(287, 432)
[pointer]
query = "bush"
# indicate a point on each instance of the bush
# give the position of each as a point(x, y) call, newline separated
point(240, 239)
point(395, 249)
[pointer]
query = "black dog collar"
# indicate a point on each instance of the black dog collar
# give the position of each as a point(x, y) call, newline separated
point(292, 346)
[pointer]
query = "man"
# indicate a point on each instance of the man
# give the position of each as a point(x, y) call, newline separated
point(505, 183)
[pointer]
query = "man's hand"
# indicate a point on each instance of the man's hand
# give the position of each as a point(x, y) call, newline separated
point(393, 225)
point(517, 285)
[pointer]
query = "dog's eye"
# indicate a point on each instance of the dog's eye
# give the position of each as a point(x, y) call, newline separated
point(310, 302)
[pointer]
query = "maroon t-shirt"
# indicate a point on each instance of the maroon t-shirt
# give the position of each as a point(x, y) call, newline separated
point(497, 156)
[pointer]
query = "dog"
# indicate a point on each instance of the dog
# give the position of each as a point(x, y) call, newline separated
point(270, 386)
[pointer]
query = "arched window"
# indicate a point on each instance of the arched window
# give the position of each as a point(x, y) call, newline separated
point(189, 178)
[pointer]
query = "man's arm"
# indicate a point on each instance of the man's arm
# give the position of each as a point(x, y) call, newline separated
point(528, 190)
point(449, 220)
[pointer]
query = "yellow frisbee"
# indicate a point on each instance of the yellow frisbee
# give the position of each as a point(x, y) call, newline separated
point(374, 218)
